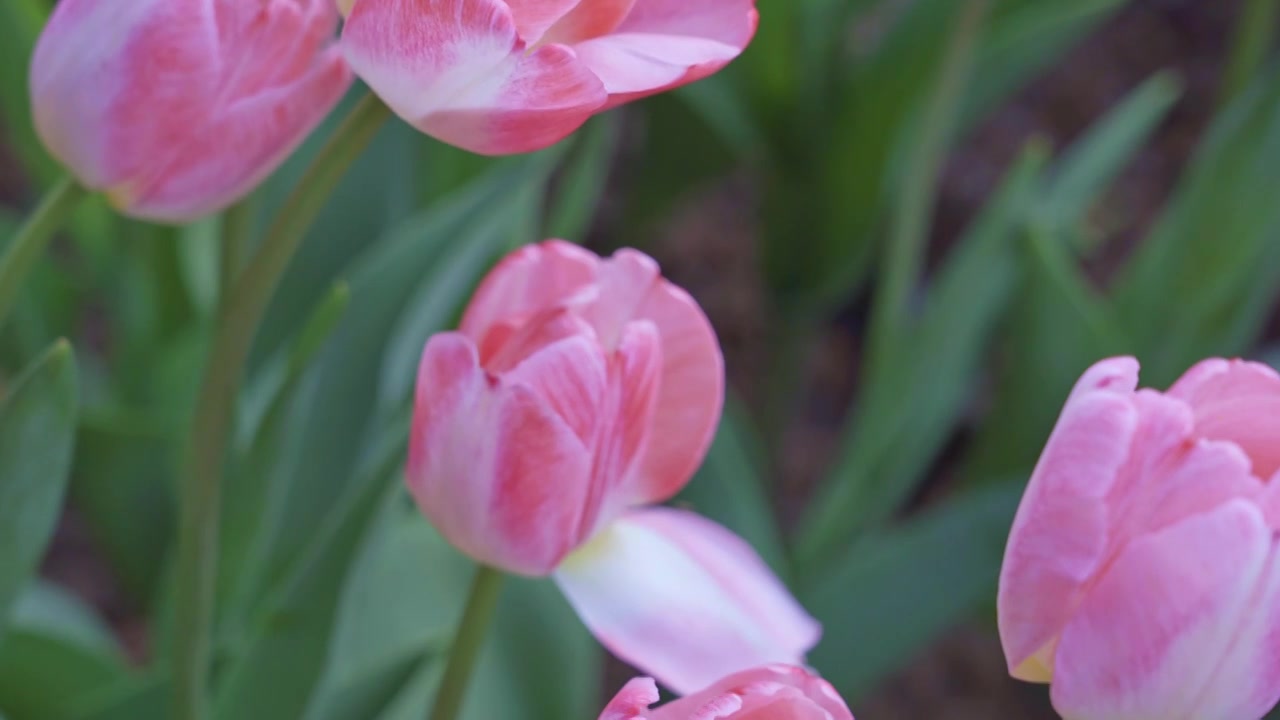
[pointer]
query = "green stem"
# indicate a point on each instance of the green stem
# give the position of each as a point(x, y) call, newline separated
point(27, 246)
point(904, 254)
point(467, 643)
point(211, 426)
point(1255, 33)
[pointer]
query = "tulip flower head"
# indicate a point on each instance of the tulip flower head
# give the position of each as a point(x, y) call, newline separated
point(776, 692)
point(177, 108)
point(577, 391)
point(1142, 577)
point(499, 77)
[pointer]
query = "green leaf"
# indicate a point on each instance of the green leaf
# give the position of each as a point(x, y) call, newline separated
point(899, 590)
point(372, 694)
point(37, 435)
point(20, 25)
point(50, 609)
point(125, 461)
point(46, 677)
point(583, 181)
point(56, 657)
point(282, 664)
point(1202, 282)
point(890, 442)
point(1088, 167)
point(378, 192)
point(145, 698)
point(402, 599)
point(858, 165)
point(256, 494)
point(730, 489)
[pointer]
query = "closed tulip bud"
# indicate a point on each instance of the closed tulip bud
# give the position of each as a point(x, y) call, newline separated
point(578, 390)
point(776, 692)
point(499, 77)
point(1142, 578)
point(177, 108)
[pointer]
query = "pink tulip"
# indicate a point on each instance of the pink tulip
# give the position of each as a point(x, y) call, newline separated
point(1142, 577)
point(499, 77)
point(577, 391)
point(777, 692)
point(177, 108)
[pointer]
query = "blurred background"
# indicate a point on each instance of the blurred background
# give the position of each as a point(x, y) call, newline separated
point(913, 224)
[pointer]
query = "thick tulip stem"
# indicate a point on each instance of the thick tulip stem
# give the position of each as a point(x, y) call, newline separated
point(239, 317)
point(26, 247)
point(467, 643)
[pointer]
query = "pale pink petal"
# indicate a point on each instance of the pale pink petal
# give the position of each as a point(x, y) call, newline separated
point(691, 394)
point(692, 388)
point(1116, 375)
point(498, 472)
point(590, 19)
point(202, 177)
point(624, 422)
point(509, 342)
point(85, 59)
point(774, 692)
point(1150, 637)
point(632, 701)
point(665, 43)
point(1237, 401)
point(684, 599)
point(572, 377)
point(529, 281)
point(1059, 534)
point(142, 99)
point(534, 17)
point(458, 70)
point(630, 63)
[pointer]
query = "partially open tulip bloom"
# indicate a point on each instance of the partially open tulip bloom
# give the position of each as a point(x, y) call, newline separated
point(499, 77)
point(177, 108)
point(577, 391)
point(776, 692)
point(1142, 577)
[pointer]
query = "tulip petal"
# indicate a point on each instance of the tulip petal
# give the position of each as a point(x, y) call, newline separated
point(626, 419)
point(534, 17)
point(1059, 534)
point(665, 43)
point(1180, 625)
point(692, 390)
point(531, 280)
point(116, 41)
point(684, 599)
point(141, 100)
point(1237, 401)
point(458, 70)
point(496, 470)
point(632, 701)
point(590, 19)
point(690, 397)
point(774, 692)
point(202, 177)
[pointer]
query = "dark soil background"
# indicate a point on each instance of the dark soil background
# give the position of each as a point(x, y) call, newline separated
point(706, 249)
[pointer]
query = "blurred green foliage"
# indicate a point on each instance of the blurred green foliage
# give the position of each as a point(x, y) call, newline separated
point(337, 601)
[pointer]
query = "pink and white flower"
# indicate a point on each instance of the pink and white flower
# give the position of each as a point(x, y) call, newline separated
point(177, 108)
point(578, 391)
point(776, 692)
point(1142, 577)
point(499, 77)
